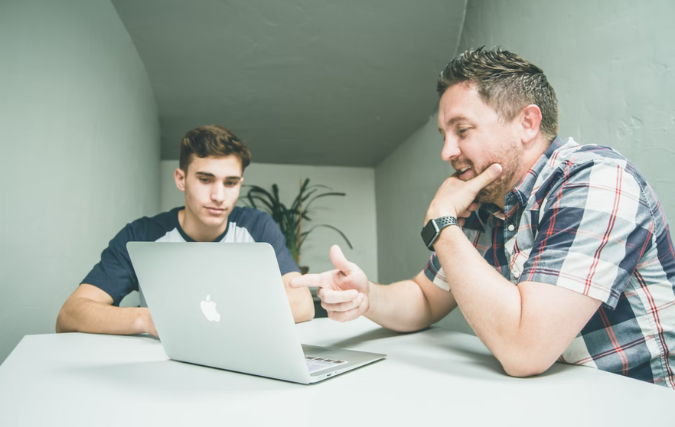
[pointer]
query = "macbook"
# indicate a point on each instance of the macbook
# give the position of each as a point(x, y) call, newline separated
point(224, 305)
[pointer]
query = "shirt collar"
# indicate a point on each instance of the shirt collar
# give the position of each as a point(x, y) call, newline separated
point(524, 189)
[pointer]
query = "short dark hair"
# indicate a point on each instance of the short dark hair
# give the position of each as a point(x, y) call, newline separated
point(505, 82)
point(212, 140)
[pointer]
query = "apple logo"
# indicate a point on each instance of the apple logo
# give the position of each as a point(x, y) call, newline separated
point(209, 310)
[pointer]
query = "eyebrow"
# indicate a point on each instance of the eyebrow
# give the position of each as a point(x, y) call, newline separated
point(210, 175)
point(454, 120)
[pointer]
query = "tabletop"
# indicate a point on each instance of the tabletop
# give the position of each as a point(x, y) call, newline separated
point(429, 377)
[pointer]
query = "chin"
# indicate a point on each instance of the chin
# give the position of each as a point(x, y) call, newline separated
point(211, 221)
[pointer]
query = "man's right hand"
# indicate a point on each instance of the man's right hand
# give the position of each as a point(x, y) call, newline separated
point(343, 292)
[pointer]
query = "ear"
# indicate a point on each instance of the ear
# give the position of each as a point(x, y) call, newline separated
point(179, 177)
point(530, 120)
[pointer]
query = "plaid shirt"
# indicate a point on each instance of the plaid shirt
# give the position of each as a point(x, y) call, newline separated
point(583, 218)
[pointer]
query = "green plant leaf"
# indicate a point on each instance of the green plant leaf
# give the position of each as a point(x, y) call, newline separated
point(323, 195)
point(289, 219)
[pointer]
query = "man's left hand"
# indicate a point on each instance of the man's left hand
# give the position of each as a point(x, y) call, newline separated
point(456, 197)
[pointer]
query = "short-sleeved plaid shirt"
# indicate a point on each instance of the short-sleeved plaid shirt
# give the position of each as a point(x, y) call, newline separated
point(585, 219)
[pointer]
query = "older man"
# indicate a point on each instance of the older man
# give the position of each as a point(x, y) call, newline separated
point(552, 250)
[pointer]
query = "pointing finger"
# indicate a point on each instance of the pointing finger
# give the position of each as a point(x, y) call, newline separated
point(310, 280)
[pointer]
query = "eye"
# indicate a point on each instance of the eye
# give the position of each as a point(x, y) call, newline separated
point(462, 131)
point(204, 180)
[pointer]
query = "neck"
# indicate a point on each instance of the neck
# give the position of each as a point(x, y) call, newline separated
point(196, 230)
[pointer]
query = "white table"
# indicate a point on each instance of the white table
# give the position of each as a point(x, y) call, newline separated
point(434, 377)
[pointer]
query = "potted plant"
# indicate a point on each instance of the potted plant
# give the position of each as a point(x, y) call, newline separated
point(290, 218)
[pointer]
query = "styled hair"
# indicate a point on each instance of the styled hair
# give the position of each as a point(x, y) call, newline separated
point(506, 82)
point(212, 140)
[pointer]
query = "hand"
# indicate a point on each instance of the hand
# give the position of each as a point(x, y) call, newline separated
point(458, 198)
point(147, 324)
point(343, 292)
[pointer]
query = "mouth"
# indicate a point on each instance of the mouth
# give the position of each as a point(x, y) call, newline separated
point(215, 211)
point(464, 173)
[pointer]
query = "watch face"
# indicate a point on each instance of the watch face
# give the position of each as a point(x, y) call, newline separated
point(429, 232)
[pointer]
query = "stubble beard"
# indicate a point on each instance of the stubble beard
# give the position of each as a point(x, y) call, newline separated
point(510, 160)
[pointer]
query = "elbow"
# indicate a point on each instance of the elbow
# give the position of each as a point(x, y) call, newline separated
point(65, 321)
point(304, 311)
point(308, 313)
point(61, 321)
point(525, 365)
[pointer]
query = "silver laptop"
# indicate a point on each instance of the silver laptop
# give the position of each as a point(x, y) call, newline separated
point(224, 305)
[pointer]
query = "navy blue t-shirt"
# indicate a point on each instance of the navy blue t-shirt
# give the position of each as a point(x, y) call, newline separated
point(115, 275)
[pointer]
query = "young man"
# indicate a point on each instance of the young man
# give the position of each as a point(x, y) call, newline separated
point(212, 163)
point(576, 228)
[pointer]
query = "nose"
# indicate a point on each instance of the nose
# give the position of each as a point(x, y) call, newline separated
point(450, 149)
point(218, 194)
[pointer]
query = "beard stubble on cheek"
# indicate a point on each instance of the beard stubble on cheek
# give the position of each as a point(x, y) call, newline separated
point(510, 161)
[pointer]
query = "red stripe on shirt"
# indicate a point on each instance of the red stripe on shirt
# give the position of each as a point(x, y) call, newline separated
point(551, 226)
point(608, 232)
point(615, 342)
point(659, 326)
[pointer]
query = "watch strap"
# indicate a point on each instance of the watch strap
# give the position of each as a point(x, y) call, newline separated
point(445, 221)
point(433, 229)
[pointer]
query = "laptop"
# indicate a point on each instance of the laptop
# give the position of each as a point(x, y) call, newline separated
point(224, 305)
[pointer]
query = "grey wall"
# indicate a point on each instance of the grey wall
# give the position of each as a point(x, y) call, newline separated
point(611, 63)
point(405, 184)
point(80, 152)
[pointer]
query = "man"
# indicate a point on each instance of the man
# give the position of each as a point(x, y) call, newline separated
point(576, 228)
point(212, 163)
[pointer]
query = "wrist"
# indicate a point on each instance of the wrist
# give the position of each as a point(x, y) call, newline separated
point(141, 321)
point(369, 297)
point(433, 229)
point(446, 235)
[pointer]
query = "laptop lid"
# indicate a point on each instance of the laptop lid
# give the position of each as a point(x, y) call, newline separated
point(222, 305)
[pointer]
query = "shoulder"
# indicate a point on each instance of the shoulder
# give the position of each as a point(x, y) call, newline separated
point(152, 228)
point(585, 165)
point(594, 177)
point(248, 217)
point(573, 158)
point(258, 224)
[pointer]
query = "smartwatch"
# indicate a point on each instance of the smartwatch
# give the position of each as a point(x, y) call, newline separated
point(432, 230)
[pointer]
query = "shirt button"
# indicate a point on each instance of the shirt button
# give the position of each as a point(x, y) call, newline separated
point(511, 227)
point(516, 275)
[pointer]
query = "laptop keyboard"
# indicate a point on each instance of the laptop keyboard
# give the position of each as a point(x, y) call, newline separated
point(315, 364)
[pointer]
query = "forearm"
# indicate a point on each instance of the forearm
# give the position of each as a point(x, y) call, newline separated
point(400, 306)
point(86, 315)
point(302, 305)
point(491, 304)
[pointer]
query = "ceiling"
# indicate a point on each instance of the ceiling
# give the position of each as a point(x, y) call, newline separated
point(312, 82)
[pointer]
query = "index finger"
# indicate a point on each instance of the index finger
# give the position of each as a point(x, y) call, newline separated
point(307, 280)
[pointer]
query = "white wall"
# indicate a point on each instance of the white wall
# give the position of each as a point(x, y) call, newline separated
point(611, 63)
point(354, 214)
point(80, 152)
